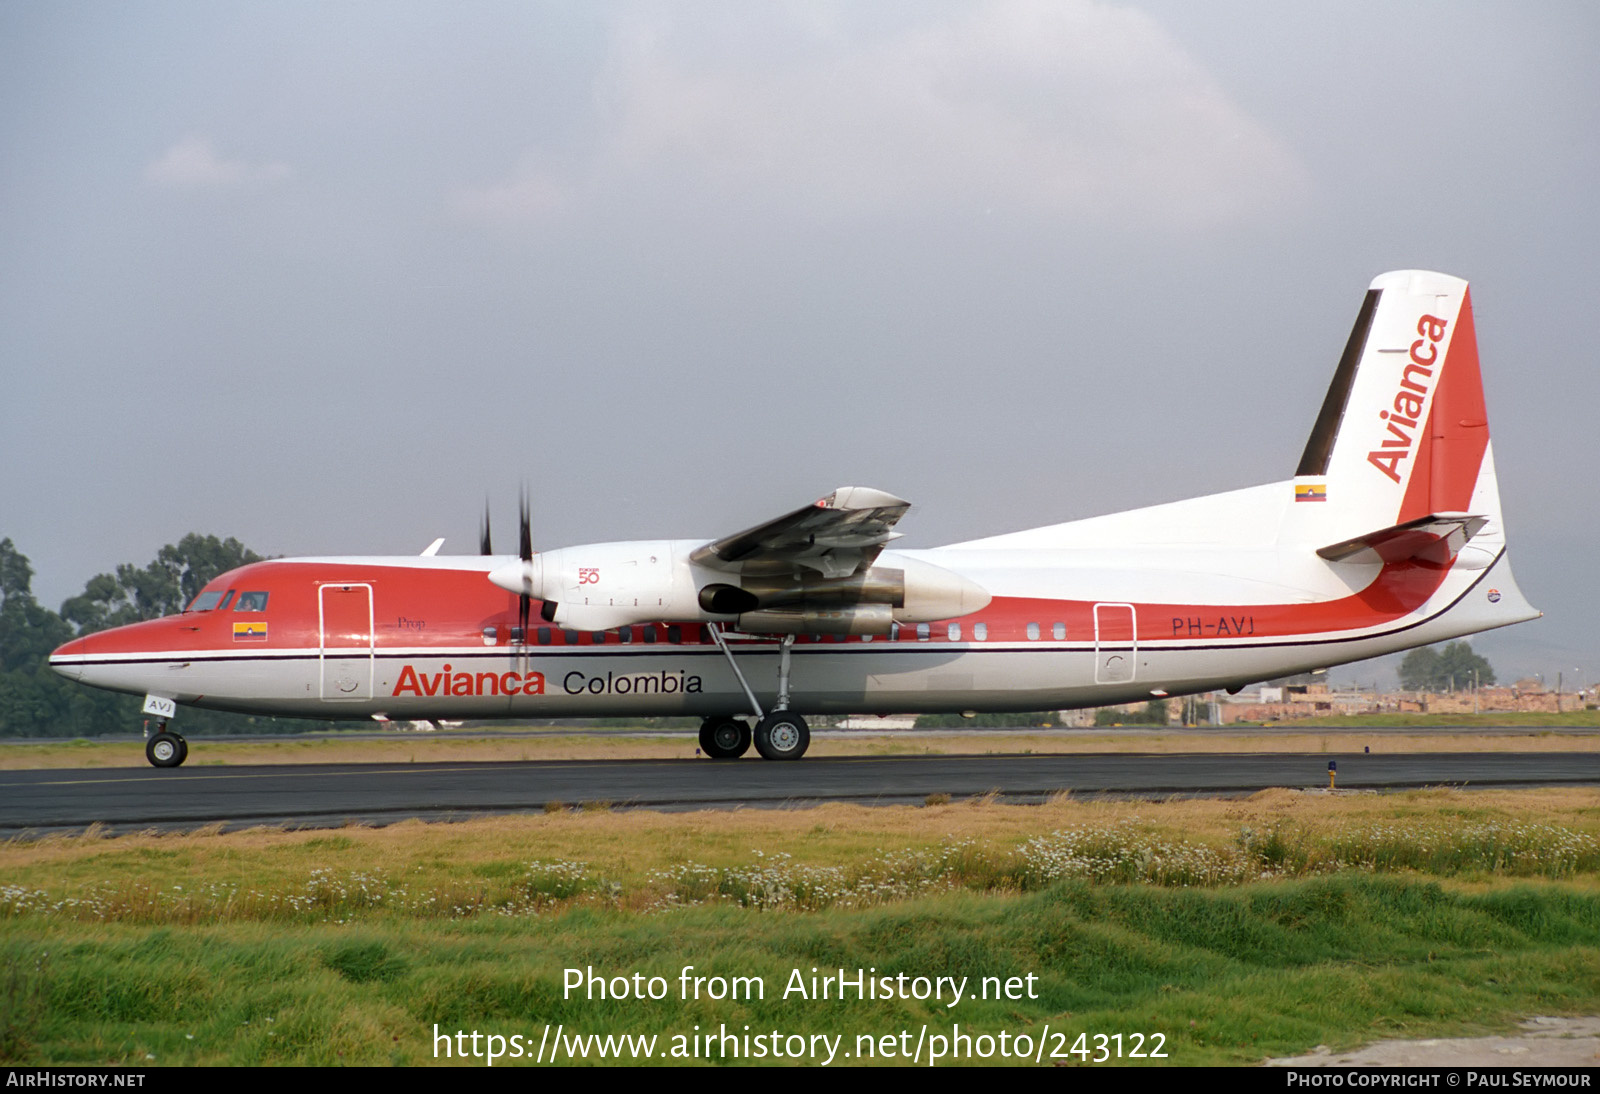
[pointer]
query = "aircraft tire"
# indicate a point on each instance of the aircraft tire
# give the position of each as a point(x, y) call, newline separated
point(166, 749)
point(782, 736)
point(724, 738)
point(183, 749)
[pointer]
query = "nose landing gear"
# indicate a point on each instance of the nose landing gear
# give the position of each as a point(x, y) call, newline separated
point(164, 748)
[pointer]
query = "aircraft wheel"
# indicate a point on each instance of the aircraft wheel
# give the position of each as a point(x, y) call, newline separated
point(724, 738)
point(782, 736)
point(166, 749)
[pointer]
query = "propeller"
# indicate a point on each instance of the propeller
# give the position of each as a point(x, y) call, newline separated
point(547, 611)
point(526, 554)
point(523, 576)
point(485, 547)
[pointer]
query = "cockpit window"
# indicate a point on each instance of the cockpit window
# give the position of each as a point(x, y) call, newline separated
point(225, 602)
point(205, 601)
point(251, 602)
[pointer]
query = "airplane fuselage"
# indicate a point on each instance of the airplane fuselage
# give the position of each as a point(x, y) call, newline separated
point(430, 638)
point(1388, 537)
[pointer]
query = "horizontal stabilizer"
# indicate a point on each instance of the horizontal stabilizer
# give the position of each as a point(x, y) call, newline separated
point(1435, 538)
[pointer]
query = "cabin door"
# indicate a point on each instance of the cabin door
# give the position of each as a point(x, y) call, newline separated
point(345, 665)
point(1116, 646)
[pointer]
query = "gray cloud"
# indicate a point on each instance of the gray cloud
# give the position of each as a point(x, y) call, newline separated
point(1076, 111)
point(193, 163)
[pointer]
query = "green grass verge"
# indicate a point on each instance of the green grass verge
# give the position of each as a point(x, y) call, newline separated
point(1227, 975)
point(1234, 929)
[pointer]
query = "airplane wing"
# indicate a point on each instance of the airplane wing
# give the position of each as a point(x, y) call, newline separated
point(836, 536)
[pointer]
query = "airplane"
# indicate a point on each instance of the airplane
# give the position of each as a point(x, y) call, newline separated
point(1388, 536)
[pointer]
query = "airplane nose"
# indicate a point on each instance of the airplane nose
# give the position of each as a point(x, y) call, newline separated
point(67, 658)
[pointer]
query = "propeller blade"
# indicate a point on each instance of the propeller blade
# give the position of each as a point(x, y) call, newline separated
point(527, 529)
point(525, 552)
point(484, 545)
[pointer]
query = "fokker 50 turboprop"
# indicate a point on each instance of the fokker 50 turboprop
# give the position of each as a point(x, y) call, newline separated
point(1388, 536)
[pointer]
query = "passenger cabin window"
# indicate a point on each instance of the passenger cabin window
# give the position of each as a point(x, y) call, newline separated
point(598, 638)
point(650, 635)
point(1033, 632)
point(1059, 630)
point(894, 632)
point(980, 631)
point(490, 636)
point(674, 634)
point(625, 635)
point(923, 632)
point(953, 632)
point(251, 602)
point(543, 634)
point(570, 637)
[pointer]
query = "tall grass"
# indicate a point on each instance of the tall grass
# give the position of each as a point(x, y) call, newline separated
point(1120, 852)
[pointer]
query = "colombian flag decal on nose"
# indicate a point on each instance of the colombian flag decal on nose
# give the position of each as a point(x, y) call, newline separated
point(250, 632)
point(1316, 491)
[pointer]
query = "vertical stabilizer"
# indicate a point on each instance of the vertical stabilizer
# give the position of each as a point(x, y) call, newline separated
point(1402, 434)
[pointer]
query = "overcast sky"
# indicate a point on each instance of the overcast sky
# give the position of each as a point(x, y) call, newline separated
point(323, 276)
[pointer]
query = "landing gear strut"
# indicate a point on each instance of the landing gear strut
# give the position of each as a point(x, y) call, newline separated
point(164, 748)
point(724, 738)
point(779, 734)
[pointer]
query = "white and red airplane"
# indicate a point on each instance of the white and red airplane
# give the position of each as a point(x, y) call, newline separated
point(1389, 536)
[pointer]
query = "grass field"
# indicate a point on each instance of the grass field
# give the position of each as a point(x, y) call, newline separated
point(1235, 930)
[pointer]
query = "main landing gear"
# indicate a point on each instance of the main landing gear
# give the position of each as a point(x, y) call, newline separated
point(164, 748)
point(780, 734)
point(724, 738)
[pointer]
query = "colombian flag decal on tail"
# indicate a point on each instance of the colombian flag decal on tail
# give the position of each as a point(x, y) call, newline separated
point(1317, 491)
point(250, 632)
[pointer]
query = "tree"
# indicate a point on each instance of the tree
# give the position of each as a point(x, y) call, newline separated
point(30, 693)
point(176, 576)
point(1428, 669)
point(36, 701)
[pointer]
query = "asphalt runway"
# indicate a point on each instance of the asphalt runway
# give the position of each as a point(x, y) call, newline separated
point(40, 802)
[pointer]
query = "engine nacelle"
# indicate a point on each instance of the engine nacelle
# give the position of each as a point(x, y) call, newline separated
point(601, 586)
point(934, 593)
point(913, 590)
